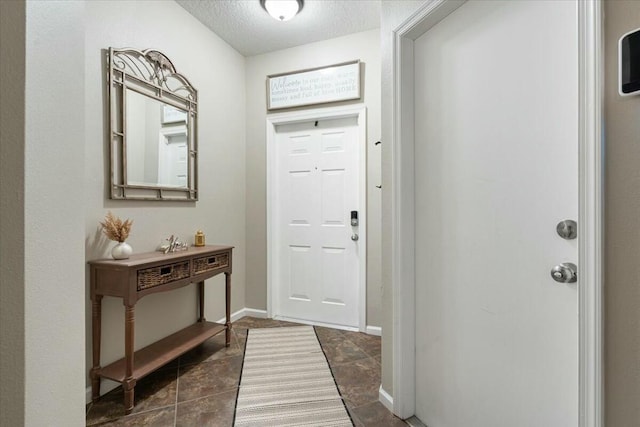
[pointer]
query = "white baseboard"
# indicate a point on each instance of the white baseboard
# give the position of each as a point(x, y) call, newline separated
point(252, 312)
point(414, 422)
point(374, 330)
point(385, 399)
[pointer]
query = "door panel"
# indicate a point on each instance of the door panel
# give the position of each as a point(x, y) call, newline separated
point(333, 195)
point(300, 268)
point(496, 170)
point(316, 190)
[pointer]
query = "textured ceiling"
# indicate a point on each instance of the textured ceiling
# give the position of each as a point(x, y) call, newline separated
point(251, 31)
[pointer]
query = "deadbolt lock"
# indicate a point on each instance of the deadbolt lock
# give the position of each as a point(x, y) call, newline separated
point(567, 229)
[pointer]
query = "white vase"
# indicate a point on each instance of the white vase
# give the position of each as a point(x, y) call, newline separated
point(121, 251)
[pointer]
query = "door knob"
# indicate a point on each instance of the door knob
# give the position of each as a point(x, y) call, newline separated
point(355, 237)
point(565, 273)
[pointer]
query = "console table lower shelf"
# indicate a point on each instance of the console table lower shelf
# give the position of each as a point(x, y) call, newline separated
point(152, 357)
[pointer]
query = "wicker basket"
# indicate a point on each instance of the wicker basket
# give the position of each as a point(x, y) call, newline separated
point(162, 274)
point(211, 262)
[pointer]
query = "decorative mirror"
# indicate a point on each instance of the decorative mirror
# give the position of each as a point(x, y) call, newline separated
point(153, 128)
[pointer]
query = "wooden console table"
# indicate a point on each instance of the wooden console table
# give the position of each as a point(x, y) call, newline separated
point(145, 274)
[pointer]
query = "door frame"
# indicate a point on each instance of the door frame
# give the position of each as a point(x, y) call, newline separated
point(358, 111)
point(590, 211)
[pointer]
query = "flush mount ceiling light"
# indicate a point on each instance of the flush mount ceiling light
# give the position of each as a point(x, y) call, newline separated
point(282, 10)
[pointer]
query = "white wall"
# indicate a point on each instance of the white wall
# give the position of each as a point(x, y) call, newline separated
point(364, 46)
point(53, 214)
point(392, 15)
point(217, 71)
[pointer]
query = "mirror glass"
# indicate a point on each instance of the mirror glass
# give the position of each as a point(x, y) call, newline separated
point(153, 143)
point(157, 142)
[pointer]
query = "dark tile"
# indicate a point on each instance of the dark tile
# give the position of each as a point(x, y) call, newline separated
point(240, 336)
point(211, 411)
point(370, 344)
point(239, 333)
point(212, 349)
point(358, 395)
point(327, 334)
point(108, 407)
point(376, 415)
point(157, 390)
point(285, 323)
point(171, 365)
point(208, 378)
point(354, 417)
point(340, 350)
point(367, 367)
point(254, 322)
point(164, 417)
point(359, 381)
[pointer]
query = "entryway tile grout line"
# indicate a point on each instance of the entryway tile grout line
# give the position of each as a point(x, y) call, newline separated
point(175, 405)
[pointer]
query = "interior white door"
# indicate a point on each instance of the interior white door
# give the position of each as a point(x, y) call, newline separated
point(317, 264)
point(172, 158)
point(496, 169)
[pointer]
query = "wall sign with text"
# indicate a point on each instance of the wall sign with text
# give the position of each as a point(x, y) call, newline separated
point(340, 82)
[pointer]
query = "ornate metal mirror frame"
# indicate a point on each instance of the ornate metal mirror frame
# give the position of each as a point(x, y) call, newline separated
point(147, 80)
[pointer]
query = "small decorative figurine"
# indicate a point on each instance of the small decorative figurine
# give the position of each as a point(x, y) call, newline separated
point(173, 245)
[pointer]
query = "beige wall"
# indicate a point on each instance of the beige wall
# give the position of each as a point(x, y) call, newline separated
point(12, 163)
point(622, 228)
point(364, 46)
point(217, 71)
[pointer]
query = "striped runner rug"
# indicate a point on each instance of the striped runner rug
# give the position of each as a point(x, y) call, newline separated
point(286, 381)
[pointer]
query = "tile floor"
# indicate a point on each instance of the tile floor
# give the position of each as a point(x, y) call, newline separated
point(199, 388)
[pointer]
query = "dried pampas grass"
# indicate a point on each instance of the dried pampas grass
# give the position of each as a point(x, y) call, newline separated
point(115, 229)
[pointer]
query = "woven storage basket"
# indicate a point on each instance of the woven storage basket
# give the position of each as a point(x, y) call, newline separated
point(211, 262)
point(162, 274)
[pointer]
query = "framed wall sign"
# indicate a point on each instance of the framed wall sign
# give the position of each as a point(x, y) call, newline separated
point(339, 82)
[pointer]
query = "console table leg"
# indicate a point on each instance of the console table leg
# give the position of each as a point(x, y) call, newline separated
point(129, 335)
point(128, 396)
point(201, 301)
point(96, 321)
point(227, 293)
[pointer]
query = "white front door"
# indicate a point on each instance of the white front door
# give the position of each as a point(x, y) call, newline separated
point(317, 186)
point(496, 169)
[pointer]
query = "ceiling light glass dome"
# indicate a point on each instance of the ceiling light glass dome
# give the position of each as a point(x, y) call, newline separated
point(282, 10)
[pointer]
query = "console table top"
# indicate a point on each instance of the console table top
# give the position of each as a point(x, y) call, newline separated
point(152, 257)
